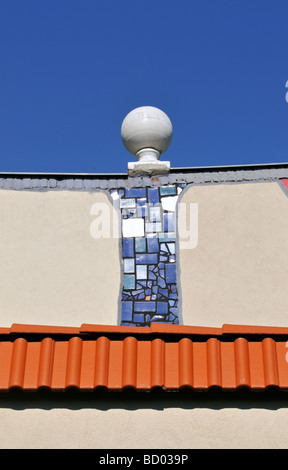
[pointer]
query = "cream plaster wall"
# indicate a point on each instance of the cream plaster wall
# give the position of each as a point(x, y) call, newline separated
point(53, 271)
point(238, 272)
point(146, 427)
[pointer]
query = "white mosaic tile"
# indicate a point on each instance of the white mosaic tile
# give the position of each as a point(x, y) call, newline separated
point(129, 265)
point(171, 247)
point(127, 203)
point(155, 214)
point(169, 203)
point(133, 227)
point(114, 194)
point(153, 227)
point(141, 272)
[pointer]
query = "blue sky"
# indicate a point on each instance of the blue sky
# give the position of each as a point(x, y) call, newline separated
point(71, 70)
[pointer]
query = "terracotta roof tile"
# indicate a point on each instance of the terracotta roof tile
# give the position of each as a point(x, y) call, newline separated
point(105, 329)
point(46, 329)
point(119, 357)
point(254, 330)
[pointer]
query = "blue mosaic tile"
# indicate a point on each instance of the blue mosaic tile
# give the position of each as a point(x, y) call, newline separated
point(146, 258)
point(170, 273)
point(140, 245)
point(129, 281)
point(162, 307)
point(169, 222)
point(163, 292)
point(174, 311)
point(153, 244)
point(153, 196)
point(168, 190)
point(161, 282)
point(139, 318)
point(135, 192)
point(145, 306)
point(142, 283)
point(127, 311)
point(142, 202)
point(128, 247)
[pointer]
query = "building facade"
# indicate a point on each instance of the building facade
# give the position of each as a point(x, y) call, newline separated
point(144, 310)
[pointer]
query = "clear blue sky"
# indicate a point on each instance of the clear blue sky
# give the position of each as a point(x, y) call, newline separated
point(71, 70)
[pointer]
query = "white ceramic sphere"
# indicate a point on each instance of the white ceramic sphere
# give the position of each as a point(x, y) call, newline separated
point(146, 127)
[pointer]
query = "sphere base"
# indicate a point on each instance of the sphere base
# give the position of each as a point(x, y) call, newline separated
point(148, 168)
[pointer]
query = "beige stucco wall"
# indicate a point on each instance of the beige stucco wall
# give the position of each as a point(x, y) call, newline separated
point(53, 269)
point(238, 272)
point(142, 424)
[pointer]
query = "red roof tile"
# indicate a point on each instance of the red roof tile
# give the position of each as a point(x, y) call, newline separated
point(169, 357)
point(254, 330)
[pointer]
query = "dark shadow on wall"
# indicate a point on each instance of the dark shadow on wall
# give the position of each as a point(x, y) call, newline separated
point(156, 400)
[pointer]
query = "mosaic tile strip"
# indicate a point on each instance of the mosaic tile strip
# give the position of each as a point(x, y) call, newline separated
point(148, 217)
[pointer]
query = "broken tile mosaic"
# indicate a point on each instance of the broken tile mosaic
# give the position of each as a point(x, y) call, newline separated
point(150, 292)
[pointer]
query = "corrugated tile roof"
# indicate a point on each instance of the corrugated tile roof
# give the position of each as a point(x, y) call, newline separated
point(166, 356)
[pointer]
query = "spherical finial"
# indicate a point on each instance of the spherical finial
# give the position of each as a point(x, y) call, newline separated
point(146, 132)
